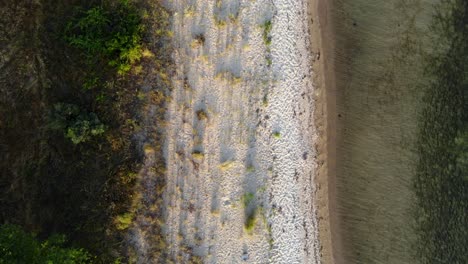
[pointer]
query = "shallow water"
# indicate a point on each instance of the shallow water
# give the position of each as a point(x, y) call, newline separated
point(441, 183)
point(380, 84)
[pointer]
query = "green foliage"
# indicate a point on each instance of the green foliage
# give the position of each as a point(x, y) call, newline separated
point(17, 246)
point(90, 83)
point(250, 221)
point(277, 135)
point(267, 40)
point(83, 190)
point(77, 126)
point(124, 221)
point(111, 32)
point(250, 211)
point(247, 198)
point(267, 32)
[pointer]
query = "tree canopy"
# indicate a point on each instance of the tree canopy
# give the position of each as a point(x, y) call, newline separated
point(17, 246)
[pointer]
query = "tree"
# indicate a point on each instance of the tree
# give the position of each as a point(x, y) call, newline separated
point(19, 247)
point(76, 125)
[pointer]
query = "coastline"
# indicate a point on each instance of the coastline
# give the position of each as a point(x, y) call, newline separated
point(321, 32)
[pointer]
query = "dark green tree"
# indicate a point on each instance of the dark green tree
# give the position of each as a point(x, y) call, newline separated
point(19, 247)
point(76, 125)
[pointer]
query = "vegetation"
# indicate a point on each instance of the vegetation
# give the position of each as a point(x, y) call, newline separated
point(124, 221)
point(265, 100)
point(226, 165)
point(269, 61)
point(267, 32)
point(247, 199)
point(250, 169)
point(267, 26)
point(77, 126)
point(70, 130)
point(112, 32)
point(250, 221)
point(250, 211)
point(277, 135)
point(201, 115)
point(198, 155)
point(17, 246)
point(442, 177)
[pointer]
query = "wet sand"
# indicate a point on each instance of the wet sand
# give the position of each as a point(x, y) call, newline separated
point(322, 39)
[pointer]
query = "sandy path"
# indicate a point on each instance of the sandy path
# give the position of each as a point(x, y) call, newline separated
point(240, 122)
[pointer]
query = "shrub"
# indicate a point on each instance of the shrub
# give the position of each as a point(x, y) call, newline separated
point(247, 198)
point(250, 221)
point(250, 211)
point(202, 115)
point(198, 155)
point(277, 135)
point(17, 246)
point(124, 221)
point(112, 32)
point(267, 32)
point(76, 125)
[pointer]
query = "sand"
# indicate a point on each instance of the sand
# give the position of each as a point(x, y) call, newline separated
point(241, 123)
point(247, 136)
point(325, 118)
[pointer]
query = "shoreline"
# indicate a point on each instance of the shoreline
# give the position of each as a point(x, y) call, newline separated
point(322, 30)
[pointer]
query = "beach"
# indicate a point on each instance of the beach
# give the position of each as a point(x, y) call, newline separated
point(241, 135)
point(234, 131)
point(291, 132)
point(322, 39)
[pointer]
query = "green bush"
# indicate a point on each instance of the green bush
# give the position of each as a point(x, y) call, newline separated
point(17, 246)
point(247, 199)
point(76, 125)
point(277, 135)
point(267, 32)
point(250, 211)
point(110, 32)
point(124, 221)
point(250, 221)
